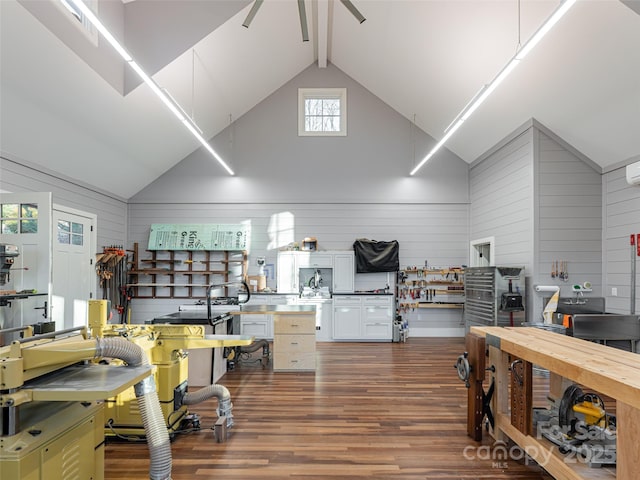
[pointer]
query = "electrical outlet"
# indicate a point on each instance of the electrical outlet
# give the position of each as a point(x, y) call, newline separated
point(614, 292)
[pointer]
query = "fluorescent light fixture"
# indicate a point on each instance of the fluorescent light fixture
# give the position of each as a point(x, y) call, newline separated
point(486, 90)
point(252, 13)
point(303, 20)
point(354, 11)
point(169, 102)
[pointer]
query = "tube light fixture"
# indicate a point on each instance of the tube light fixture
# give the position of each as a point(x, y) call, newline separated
point(252, 13)
point(486, 90)
point(168, 101)
point(302, 11)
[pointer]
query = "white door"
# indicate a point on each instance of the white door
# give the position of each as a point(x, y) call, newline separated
point(25, 221)
point(74, 276)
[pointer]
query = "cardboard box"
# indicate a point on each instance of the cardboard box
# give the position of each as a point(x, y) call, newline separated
point(257, 283)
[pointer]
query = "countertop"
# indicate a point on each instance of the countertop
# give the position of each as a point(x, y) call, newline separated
point(199, 317)
point(274, 309)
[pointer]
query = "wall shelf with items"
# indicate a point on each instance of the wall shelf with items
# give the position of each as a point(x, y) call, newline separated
point(183, 273)
point(430, 288)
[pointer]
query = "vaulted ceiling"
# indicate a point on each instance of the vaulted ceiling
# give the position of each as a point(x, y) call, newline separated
point(76, 109)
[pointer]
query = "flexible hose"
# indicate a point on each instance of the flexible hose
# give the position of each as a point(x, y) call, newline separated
point(225, 406)
point(148, 403)
point(264, 344)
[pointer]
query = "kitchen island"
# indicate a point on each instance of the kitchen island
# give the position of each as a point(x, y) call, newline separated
point(294, 335)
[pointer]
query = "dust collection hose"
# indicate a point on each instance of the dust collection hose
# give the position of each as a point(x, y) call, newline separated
point(148, 403)
point(221, 392)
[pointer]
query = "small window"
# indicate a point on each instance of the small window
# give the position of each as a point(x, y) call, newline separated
point(322, 111)
point(70, 233)
point(19, 218)
point(79, 19)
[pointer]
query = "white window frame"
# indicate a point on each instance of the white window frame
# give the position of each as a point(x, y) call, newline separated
point(333, 93)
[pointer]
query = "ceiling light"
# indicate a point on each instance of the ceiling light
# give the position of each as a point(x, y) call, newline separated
point(252, 13)
point(169, 102)
point(354, 11)
point(486, 90)
point(303, 21)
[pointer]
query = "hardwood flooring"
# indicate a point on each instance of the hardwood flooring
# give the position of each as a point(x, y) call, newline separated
point(371, 410)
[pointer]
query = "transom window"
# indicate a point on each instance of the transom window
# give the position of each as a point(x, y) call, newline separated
point(19, 218)
point(322, 111)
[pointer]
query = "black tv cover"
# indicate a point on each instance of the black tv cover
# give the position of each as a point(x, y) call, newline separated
point(373, 256)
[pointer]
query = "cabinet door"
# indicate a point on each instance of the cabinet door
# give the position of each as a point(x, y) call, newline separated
point(346, 322)
point(343, 273)
point(287, 273)
point(314, 260)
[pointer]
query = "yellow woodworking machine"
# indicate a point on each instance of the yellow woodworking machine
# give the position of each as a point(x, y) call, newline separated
point(165, 346)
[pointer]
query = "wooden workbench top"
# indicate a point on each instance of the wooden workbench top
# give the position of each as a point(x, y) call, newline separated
point(614, 372)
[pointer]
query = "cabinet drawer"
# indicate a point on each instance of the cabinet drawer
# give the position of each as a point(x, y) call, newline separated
point(373, 300)
point(256, 328)
point(377, 330)
point(347, 300)
point(299, 361)
point(291, 344)
point(296, 324)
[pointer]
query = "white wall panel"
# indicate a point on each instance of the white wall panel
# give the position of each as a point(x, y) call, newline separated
point(621, 210)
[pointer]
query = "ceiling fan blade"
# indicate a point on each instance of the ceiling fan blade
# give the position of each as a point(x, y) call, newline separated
point(252, 13)
point(303, 20)
point(354, 11)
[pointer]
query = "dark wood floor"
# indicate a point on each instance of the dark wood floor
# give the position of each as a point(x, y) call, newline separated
point(372, 410)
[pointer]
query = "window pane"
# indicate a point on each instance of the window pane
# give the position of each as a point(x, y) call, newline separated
point(331, 106)
point(29, 210)
point(77, 227)
point(64, 226)
point(9, 226)
point(28, 226)
point(64, 237)
point(77, 239)
point(331, 124)
point(9, 210)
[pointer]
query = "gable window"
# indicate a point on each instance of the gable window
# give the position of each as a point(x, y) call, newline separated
point(322, 111)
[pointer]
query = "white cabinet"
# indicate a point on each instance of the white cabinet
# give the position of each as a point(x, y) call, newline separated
point(314, 260)
point(343, 272)
point(363, 317)
point(287, 273)
point(347, 311)
point(377, 318)
point(341, 263)
point(257, 325)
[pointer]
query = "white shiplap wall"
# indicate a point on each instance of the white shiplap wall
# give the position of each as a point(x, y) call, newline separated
point(569, 223)
point(501, 191)
point(621, 212)
point(436, 232)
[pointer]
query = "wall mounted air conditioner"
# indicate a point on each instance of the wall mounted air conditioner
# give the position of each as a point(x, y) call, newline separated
point(633, 174)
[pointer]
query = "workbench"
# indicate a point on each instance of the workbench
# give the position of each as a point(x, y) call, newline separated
point(609, 371)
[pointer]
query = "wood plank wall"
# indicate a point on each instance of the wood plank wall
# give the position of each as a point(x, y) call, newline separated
point(621, 212)
point(569, 220)
point(434, 232)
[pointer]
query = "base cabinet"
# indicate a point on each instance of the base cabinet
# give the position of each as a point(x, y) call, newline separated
point(294, 343)
point(363, 317)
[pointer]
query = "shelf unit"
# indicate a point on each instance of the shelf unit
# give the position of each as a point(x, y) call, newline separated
point(430, 288)
point(183, 273)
